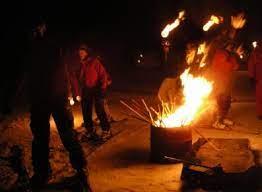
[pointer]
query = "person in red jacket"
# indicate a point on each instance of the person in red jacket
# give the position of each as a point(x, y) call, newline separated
point(223, 64)
point(91, 86)
point(255, 73)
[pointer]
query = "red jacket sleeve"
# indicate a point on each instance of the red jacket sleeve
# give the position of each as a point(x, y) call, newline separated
point(252, 65)
point(102, 75)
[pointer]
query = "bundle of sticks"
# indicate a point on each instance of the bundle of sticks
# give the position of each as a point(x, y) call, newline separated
point(143, 112)
point(147, 114)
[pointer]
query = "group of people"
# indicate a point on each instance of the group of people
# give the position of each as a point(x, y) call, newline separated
point(51, 81)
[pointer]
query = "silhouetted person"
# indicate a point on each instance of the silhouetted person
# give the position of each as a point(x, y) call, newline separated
point(48, 92)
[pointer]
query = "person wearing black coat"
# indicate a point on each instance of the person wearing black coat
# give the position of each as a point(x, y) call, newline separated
point(48, 93)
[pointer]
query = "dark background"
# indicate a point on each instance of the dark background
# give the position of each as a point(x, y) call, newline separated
point(116, 30)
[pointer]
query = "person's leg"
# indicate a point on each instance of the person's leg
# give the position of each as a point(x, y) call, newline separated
point(101, 114)
point(87, 104)
point(107, 110)
point(64, 120)
point(219, 117)
point(40, 114)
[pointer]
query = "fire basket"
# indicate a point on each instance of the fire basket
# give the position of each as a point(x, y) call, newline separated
point(172, 142)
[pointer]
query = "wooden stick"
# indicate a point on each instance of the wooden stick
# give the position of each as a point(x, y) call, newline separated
point(136, 105)
point(138, 114)
point(208, 141)
point(160, 117)
point(150, 115)
point(135, 102)
point(154, 111)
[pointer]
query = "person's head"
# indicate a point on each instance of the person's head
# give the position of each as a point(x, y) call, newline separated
point(83, 52)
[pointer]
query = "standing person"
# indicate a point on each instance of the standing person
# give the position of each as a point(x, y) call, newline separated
point(94, 81)
point(48, 96)
point(255, 73)
point(223, 65)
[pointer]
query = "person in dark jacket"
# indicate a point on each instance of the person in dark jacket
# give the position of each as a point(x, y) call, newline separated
point(48, 89)
point(91, 85)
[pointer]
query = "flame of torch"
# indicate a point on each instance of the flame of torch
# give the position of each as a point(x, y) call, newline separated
point(195, 91)
point(238, 21)
point(212, 21)
point(173, 25)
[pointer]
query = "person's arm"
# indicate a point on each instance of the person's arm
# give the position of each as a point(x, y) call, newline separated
point(102, 74)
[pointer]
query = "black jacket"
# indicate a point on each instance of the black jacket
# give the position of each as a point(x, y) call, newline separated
point(47, 78)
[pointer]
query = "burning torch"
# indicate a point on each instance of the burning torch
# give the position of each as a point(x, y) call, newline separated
point(165, 33)
point(237, 22)
point(212, 21)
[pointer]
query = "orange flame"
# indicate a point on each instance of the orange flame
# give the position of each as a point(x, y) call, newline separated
point(238, 21)
point(195, 91)
point(192, 52)
point(212, 21)
point(173, 25)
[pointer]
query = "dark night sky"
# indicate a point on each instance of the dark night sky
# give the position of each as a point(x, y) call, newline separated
point(129, 24)
point(119, 20)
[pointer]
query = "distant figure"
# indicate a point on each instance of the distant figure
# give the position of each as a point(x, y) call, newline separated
point(255, 73)
point(223, 64)
point(93, 83)
point(48, 94)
